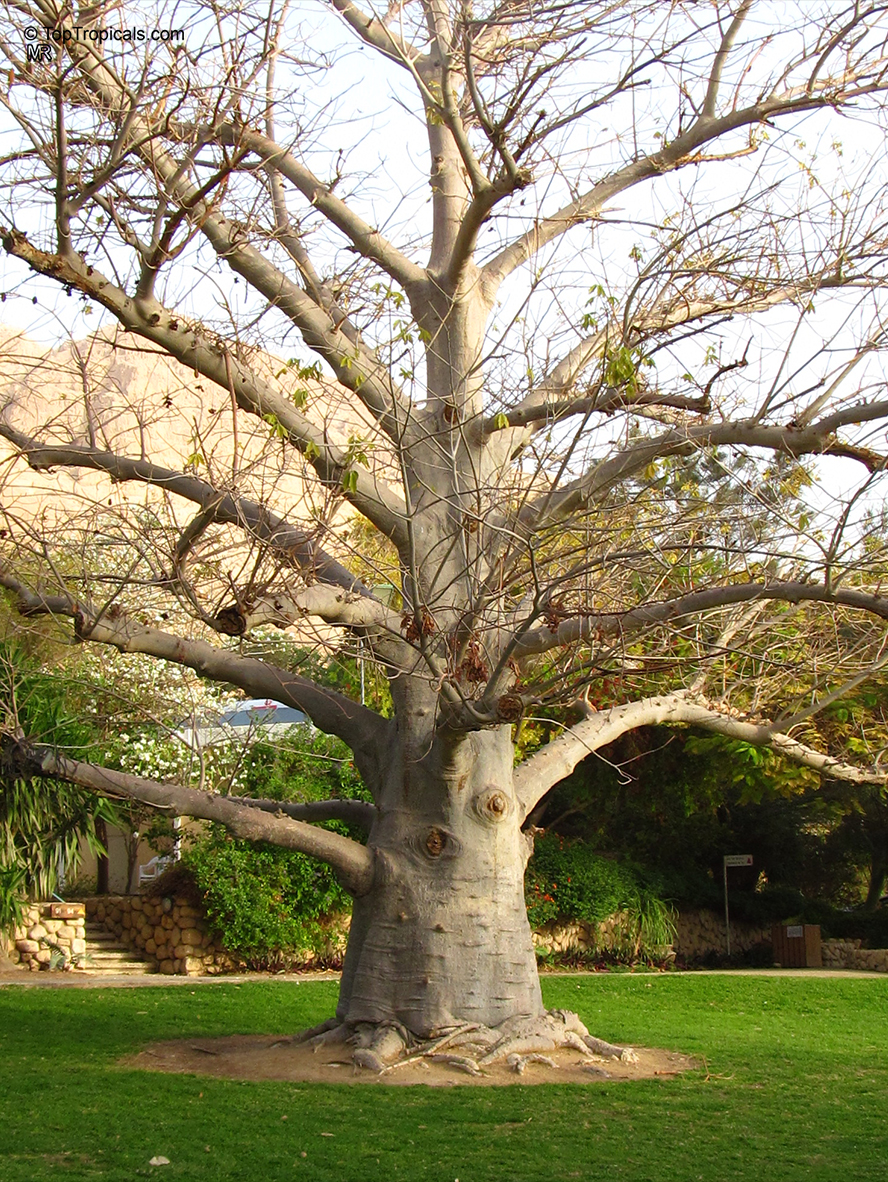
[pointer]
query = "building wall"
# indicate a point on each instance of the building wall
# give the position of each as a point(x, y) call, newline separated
point(117, 862)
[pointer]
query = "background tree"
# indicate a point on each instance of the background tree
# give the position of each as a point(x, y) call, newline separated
point(619, 234)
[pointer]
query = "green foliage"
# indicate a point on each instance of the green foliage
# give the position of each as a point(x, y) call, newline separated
point(61, 959)
point(307, 765)
point(869, 926)
point(755, 772)
point(41, 821)
point(343, 671)
point(267, 904)
point(678, 802)
point(621, 368)
point(13, 883)
point(278, 430)
point(304, 764)
point(567, 881)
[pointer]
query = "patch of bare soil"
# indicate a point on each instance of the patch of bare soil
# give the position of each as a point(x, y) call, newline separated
point(282, 1058)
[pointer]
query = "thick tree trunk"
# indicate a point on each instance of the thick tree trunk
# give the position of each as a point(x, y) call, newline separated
point(442, 938)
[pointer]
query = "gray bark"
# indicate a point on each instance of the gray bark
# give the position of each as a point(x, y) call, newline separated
point(442, 936)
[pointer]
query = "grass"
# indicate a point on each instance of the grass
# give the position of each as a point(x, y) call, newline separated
point(795, 1087)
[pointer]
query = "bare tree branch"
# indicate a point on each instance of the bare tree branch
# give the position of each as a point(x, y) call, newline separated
point(297, 547)
point(601, 625)
point(364, 731)
point(718, 65)
point(537, 775)
point(352, 862)
point(201, 352)
point(813, 439)
point(372, 30)
point(353, 812)
point(369, 242)
point(333, 605)
point(684, 150)
point(355, 367)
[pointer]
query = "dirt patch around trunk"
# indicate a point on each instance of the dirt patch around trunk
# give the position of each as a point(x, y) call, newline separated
point(267, 1057)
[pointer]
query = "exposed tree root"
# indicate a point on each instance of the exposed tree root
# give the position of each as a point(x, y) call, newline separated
point(330, 1035)
point(470, 1048)
point(460, 1062)
point(314, 1032)
point(518, 1063)
point(608, 1051)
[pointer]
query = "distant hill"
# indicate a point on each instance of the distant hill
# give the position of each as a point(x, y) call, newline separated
point(116, 394)
point(122, 396)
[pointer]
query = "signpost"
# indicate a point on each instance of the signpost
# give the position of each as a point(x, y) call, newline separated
point(732, 860)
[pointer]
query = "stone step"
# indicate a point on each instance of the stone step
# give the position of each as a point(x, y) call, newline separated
point(98, 931)
point(122, 967)
point(106, 943)
point(106, 954)
point(132, 968)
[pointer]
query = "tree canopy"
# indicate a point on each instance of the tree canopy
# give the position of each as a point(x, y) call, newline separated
point(529, 348)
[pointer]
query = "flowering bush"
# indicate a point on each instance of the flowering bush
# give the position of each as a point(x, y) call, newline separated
point(567, 881)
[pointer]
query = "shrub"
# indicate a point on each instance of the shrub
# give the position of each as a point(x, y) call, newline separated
point(42, 822)
point(266, 904)
point(567, 881)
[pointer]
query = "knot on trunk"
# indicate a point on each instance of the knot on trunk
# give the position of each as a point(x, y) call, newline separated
point(231, 621)
point(510, 708)
point(18, 760)
point(435, 842)
point(492, 805)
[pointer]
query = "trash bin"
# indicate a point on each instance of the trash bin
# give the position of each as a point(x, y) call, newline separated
point(797, 945)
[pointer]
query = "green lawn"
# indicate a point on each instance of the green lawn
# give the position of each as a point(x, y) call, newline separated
point(796, 1088)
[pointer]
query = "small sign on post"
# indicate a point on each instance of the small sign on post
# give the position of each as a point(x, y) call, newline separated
point(732, 860)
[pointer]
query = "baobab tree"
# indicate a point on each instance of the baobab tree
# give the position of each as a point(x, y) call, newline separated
point(596, 291)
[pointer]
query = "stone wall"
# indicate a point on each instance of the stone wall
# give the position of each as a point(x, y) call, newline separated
point(700, 933)
point(48, 929)
point(613, 934)
point(847, 954)
point(173, 935)
point(170, 934)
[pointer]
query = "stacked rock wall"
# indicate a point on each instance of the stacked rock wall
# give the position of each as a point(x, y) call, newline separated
point(614, 934)
point(700, 933)
point(847, 954)
point(49, 929)
point(170, 934)
point(173, 935)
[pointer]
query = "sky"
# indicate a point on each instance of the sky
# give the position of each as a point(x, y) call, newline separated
point(357, 108)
